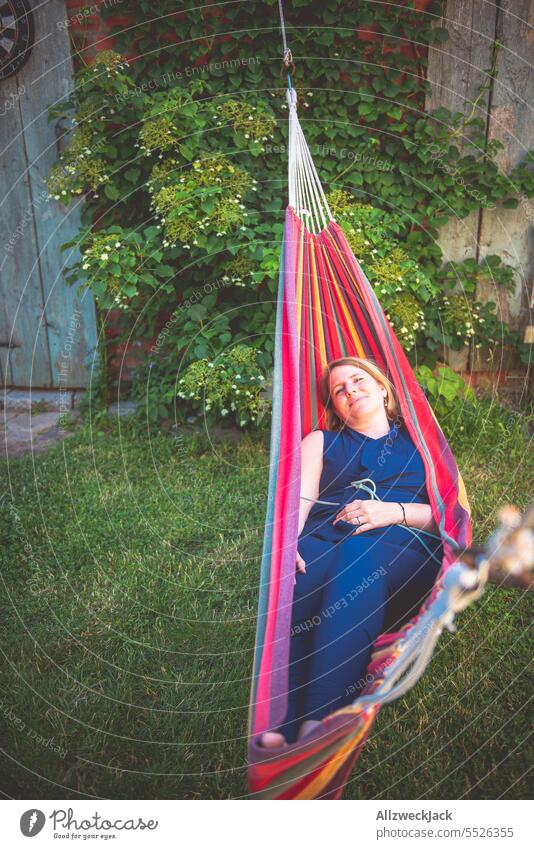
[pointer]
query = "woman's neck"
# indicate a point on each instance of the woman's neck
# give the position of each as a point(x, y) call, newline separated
point(375, 428)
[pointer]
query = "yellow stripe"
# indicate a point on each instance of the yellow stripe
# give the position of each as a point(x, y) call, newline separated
point(316, 306)
point(312, 790)
point(353, 330)
point(298, 287)
point(462, 495)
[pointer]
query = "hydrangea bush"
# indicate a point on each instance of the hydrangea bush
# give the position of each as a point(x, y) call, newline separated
point(189, 176)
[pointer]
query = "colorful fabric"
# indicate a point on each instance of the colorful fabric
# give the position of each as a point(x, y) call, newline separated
point(327, 309)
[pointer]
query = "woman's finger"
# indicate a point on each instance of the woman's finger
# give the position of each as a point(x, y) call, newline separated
point(367, 526)
point(344, 514)
point(301, 564)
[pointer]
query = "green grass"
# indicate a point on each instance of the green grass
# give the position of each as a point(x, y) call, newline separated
point(129, 589)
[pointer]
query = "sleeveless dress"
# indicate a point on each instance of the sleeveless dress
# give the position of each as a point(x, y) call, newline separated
point(355, 587)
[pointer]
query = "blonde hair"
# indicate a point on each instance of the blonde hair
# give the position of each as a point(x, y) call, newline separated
point(333, 422)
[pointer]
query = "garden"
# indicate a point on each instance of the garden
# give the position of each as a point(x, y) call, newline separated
point(132, 549)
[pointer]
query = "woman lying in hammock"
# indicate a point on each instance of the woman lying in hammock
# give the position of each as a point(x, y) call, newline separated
point(367, 559)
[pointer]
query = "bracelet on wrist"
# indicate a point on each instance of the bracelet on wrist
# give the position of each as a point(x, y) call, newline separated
point(403, 522)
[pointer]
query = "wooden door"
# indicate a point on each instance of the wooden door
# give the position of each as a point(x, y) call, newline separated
point(47, 333)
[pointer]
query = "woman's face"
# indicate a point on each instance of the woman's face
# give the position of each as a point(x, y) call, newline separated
point(356, 396)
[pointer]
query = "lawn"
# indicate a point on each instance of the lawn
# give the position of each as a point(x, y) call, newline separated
point(129, 588)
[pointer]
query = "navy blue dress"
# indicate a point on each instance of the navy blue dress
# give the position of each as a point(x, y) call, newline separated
point(355, 587)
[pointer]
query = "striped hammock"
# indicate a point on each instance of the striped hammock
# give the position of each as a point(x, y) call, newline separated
point(327, 309)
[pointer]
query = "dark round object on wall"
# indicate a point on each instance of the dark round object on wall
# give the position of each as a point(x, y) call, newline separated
point(16, 35)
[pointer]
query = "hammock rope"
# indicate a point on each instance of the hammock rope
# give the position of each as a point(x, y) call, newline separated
point(306, 194)
point(327, 308)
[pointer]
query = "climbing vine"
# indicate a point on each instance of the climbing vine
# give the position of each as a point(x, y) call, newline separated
point(180, 152)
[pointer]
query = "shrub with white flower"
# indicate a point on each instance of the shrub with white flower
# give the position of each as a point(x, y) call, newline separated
point(406, 317)
point(117, 264)
point(194, 202)
point(79, 168)
point(83, 165)
point(401, 286)
point(461, 319)
point(255, 126)
point(228, 386)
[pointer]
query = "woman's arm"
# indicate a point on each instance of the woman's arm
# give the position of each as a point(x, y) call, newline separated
point(311, 468)
point(377, 514)
point(419, 516)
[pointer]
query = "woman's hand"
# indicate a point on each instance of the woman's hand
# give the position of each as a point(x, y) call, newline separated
point(301, 565)
point(368, 513)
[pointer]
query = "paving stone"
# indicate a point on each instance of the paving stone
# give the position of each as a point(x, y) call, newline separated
point(23, 399)
point(123, 408)
point(27, 433)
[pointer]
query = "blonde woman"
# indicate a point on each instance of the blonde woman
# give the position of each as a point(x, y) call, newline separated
point(368, 549)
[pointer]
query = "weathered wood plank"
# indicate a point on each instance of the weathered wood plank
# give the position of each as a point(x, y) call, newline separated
point(20, 280)
point(509, 232)
point(457, 70)
point(70, 321)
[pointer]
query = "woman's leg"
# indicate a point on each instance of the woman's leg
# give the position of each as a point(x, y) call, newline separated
point(363, 582)
point(318, 555)
point(410, 585)
point(352, 616)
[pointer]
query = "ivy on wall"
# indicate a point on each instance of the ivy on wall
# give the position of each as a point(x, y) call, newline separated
point(180, 153)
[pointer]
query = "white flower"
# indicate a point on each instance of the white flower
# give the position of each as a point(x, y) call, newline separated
point(104, 257)
point(224, 412)
point(85, 266)
point(117, 244)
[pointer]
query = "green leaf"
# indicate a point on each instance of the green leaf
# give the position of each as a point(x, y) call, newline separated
point(111, 191)
point(166, 271)
point(197, 312)
point(132, 174)
point(365, 108)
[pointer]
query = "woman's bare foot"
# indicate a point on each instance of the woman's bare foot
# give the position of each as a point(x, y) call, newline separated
point(307, 727)
point(273, 740)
